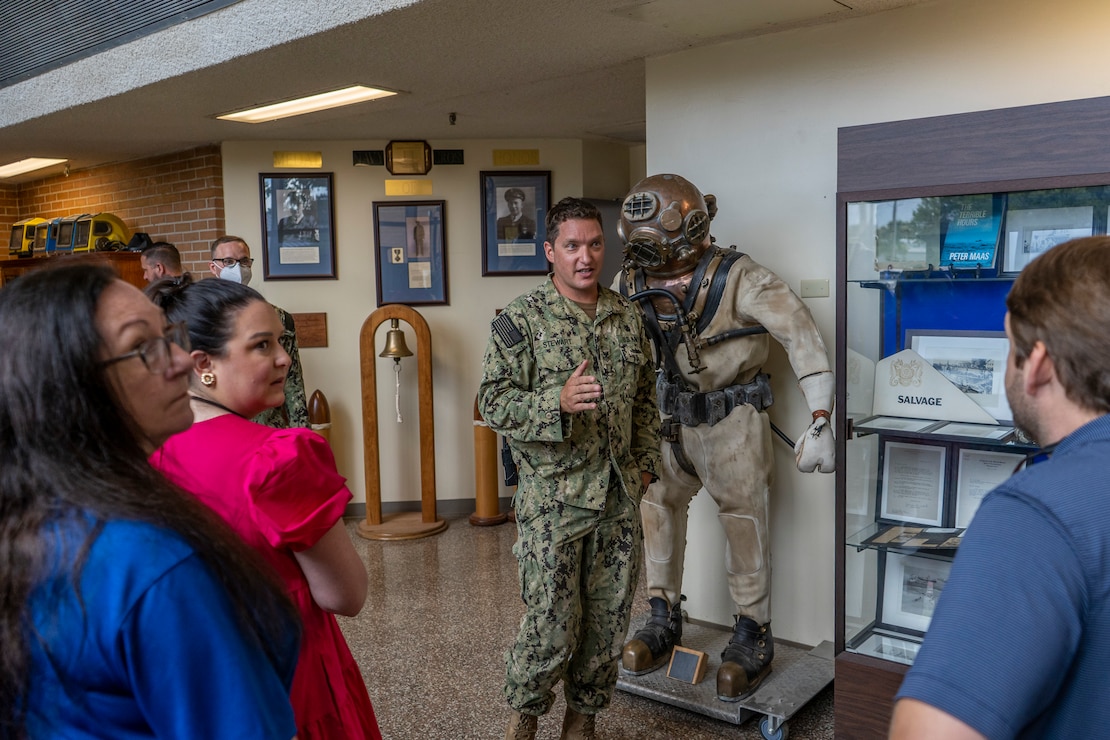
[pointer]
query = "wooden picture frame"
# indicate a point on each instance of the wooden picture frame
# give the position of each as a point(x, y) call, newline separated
point(687, 665)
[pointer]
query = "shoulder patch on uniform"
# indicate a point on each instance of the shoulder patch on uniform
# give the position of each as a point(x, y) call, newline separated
point(507, 330)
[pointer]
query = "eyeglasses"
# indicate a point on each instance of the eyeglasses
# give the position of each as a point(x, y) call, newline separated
point(230, 261)
point(155, 353)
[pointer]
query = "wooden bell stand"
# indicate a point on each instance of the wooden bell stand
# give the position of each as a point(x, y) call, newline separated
point(406, 525)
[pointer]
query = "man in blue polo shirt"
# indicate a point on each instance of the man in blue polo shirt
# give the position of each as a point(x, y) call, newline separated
point(1020, 642)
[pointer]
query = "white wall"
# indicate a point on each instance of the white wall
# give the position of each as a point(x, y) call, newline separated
point(458, 331)
point(755, 122)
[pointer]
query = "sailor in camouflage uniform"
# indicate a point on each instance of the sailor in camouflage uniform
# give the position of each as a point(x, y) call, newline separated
point(568, 380)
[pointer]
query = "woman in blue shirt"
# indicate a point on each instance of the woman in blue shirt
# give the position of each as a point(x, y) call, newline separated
point(129, 611)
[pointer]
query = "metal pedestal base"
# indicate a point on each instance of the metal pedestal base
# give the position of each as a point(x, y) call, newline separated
point(797, 675)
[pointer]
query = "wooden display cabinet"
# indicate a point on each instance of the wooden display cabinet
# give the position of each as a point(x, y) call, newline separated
point(125, 263)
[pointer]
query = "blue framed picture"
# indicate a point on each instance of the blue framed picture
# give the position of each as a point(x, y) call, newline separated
point(297, 236)
point(514, 206)
point(411, 240)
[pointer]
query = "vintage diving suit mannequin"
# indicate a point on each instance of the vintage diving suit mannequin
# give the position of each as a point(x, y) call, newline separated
point(722, 306)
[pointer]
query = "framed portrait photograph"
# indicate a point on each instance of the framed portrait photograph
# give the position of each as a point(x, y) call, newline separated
point(298, 238)
point(979, 472)
point(912, 486)
point(974, 361)
point(911, 587)
point(411, 242)
point(514, 206)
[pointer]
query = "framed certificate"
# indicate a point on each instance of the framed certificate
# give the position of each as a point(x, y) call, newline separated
point(978, 472)
point(911, 588)
point(912, 486)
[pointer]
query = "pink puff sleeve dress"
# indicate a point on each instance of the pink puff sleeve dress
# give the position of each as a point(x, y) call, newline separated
point(279, 489)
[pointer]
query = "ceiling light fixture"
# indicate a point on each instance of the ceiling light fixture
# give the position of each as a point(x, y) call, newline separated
point(27, 165)
point(310, 104)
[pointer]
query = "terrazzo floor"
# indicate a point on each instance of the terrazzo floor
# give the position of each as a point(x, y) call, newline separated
point(430, 640)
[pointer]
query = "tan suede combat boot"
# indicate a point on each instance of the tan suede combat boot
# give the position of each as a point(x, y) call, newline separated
point(522, 727)
point(578, 726)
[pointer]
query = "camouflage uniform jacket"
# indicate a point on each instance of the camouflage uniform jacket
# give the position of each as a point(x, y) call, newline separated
point(536, 343)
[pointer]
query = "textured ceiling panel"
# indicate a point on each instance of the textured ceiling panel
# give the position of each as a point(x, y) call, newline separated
point(42, 34)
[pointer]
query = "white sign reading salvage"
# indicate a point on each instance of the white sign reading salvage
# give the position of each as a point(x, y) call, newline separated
point(907, 385)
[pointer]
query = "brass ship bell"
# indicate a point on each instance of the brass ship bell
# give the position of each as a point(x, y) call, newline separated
point(395, 346)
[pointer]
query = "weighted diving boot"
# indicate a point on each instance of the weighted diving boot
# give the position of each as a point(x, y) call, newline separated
point(651, 646)
point(522, 727)
point(746, 661)
point(578, 726)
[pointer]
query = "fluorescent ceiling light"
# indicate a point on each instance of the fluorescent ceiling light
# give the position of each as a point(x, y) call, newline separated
point(27, 165)
point(323, 101)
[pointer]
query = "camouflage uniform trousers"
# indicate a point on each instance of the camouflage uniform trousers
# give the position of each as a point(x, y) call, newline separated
point(578, 574)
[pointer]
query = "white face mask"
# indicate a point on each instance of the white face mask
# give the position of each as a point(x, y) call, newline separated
point(236, 274)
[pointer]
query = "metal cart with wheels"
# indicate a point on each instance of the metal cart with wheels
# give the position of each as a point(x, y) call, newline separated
point(797, 676)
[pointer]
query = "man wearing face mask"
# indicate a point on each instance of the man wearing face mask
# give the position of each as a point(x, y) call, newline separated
point(231, 260)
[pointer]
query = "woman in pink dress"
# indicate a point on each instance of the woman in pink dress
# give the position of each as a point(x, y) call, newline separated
point(278, 488)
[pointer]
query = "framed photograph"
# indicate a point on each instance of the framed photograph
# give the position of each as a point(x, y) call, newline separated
point(974, 361)
point(298, 238)
point(1032, 232)
point(912, 487)
point(911, 587)
point(514, 206)
point(979, 472)
point(411, 241)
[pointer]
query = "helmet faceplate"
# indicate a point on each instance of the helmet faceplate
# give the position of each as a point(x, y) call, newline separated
point(664, 225)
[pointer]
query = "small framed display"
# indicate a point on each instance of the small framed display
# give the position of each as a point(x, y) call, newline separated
point(408, 157)
point(911, 587)
point(298, 241)
point(1032, 232)
point(514, 206)
point(890, 647)
point(974, 361)
point(687, 665)
point(978, 472)
point(912, 486)
point(411, 242)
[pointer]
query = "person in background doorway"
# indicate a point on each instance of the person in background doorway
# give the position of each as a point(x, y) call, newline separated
point(1020, 639)
point(278, 488)
point(129, 611)
point(231, 260)
point(568, 380)
point(160, 261)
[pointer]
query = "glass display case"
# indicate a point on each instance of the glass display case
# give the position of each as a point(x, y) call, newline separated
point(925, 430)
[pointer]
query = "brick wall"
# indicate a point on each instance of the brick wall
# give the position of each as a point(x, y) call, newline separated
point(176, 197)
point(9, 214)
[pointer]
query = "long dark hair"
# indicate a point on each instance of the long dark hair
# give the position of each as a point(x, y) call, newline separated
point(68, 450)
